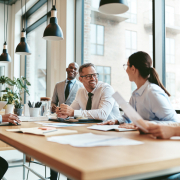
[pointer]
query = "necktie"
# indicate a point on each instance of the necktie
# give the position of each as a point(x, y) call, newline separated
point(67, 89)
point(89, 103)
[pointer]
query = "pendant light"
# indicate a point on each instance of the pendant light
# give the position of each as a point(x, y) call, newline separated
point(23, 47)
point(113, 6)
point(5, 57)
point(53, 32)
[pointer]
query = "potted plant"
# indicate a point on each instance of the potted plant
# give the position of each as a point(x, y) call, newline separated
point(13, 92)
point(17, 108)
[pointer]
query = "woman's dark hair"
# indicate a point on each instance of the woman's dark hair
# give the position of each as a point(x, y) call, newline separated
point(143, 62)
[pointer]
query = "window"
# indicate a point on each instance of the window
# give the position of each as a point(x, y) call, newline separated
point(116, 39)
point(131, 44)
point(170, 84)
point(97, 39)
point(169, 50)
point(172, 51)
point(151, 46)
point(132, 11)
point(104, 74)
point(35, 64)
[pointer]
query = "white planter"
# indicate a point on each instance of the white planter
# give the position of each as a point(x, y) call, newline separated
point(9, 108)
point(34, 112)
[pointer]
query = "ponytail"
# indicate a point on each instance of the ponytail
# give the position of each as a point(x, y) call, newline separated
point(154, 78)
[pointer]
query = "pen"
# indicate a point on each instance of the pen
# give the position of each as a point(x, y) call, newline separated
point(50, 131)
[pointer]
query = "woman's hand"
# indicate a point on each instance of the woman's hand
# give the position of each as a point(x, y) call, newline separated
point(162, 131)
point(128, 126)
point(109, 122)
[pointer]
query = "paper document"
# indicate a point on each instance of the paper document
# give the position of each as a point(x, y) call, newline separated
point(28, 119)
point(109, 127)
point(91, 140)
point(41, 132)
point(59, 124)
point(130, 112)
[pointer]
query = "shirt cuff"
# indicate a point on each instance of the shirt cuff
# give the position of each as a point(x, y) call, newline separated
point(0, 119)
point(77, 113)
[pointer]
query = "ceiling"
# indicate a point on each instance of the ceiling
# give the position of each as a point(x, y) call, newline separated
point(10, 2)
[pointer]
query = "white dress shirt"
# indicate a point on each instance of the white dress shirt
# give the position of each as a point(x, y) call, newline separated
point(103, 107)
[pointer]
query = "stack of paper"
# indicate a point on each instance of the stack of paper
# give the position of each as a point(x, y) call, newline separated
point(91, 140)
point(41, 132)
point(27, 119)
point(108, 128)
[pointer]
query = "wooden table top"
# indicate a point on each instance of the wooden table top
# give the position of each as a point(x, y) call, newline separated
point(97, 162)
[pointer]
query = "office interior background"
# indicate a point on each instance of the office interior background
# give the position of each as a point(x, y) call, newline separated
point(89, 36)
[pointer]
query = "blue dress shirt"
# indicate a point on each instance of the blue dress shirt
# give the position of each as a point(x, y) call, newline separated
point(153, 104)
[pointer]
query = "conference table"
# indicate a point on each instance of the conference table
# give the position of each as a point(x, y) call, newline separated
point(153, 158)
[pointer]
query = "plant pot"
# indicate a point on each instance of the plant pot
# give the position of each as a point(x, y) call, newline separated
point(34, 112)
point(18, 111)
point(9, 108)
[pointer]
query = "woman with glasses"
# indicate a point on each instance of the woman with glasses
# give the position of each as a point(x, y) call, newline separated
point(150, 99)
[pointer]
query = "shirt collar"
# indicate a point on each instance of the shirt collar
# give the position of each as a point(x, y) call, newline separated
point(141, 89)
point(73, 81)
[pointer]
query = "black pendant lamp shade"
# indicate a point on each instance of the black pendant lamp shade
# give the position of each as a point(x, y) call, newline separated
point(23, 47)
point(5, 57)
point(53, 32)
point(113, 6)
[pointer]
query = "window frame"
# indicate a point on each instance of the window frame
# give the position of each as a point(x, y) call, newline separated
point(33, 26)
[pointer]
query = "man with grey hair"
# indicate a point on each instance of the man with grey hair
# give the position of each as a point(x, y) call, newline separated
point(94, 100)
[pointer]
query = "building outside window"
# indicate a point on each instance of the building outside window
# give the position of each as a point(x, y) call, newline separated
point(104, 74)
point(172, 16)
point(120, 39)
point(132, 11)
point(131, 43)
point(170, 84)
point(97, 39)
point(170, 50)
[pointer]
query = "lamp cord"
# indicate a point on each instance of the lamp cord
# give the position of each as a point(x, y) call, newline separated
point(4, 20)
point(52, 3)
point(22, 13)
point(25, 16)
point(7, 23)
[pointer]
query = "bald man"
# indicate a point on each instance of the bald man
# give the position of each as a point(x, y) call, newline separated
point(65, 92)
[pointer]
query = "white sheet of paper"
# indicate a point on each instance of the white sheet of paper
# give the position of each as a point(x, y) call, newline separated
point(175, 138)
point(59, 124)
point(108, 127)
point(92, 140)
point(27, 119)
point(130, 112)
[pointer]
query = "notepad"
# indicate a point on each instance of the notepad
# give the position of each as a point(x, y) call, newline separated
point(37, 131)
point(109, 128)
point(29, 119)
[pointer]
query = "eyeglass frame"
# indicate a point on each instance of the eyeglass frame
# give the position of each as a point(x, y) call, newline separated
point(92, 75)
point(124, 66)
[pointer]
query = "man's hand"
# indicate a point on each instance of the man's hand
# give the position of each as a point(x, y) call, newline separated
point(66, 110)
point(127, 126)
point(12, 118)
point(59, 114)
point(53, 108)
point(109, 122)
point(162, 131)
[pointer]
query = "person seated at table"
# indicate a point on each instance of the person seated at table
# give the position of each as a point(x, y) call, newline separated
point(65, 91)
point(12, 118)
point(94, 100)
point(150, 99)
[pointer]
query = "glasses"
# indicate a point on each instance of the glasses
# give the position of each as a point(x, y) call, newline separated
point(125, 66)
point(89, 76)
